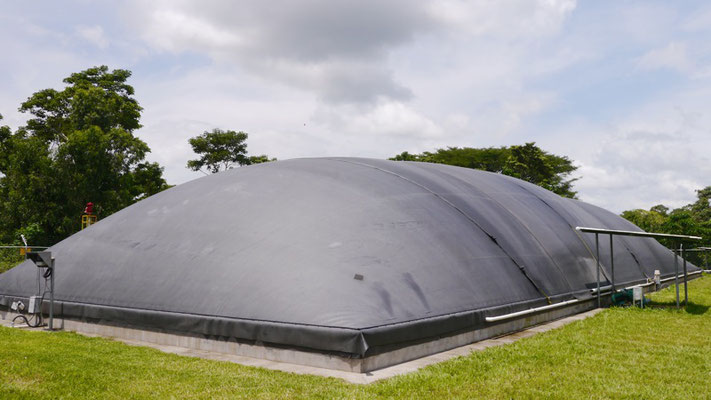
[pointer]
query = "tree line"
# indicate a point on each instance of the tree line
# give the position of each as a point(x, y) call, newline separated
point(79, 146)
point(527, 162)
point(691, 219)
point(553, 172)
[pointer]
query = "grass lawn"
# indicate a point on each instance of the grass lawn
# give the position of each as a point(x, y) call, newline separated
point(620, 353)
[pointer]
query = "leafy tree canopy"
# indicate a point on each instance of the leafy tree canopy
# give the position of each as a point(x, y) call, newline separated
point(262, 158)
point(691, 219)
point(527, 162)
point(222, 150)
point(78, 146)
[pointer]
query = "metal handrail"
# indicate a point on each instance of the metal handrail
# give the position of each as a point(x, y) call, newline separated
point(605, 289)
point(24, 247)
point(613, 232)
point(635, 233)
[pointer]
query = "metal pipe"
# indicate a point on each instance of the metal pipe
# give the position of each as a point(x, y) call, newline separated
point(612, 263)
point(704, 249)
point(640, 285)
point(672, 277)
point(530, 311)
point(39, 278)
point(676, 275)
point(568, 302)
point(597, 257)
point(604, 289)
point(635, 233)
point(686, 280)
point(51, 297)
point(23, 247)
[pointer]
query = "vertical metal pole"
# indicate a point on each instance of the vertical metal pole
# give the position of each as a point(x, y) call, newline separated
point(39, 274)
point(597, 257)
point(676, 275)
point(39, 280)
point(686, 289)
point(51, 297)
point(612, 264)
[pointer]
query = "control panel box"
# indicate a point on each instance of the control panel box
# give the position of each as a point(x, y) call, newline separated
point(35, 306)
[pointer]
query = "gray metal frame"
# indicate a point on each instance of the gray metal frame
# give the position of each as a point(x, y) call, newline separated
point(49, 265)
point(613, 232)
point(699, 249)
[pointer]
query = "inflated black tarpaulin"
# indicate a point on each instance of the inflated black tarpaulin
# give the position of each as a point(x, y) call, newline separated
point(336, 254)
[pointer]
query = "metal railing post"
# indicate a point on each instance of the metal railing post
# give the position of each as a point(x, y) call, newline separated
point(674, 237)
point(597, 257)
point(612, 264)
point(676, 273)
point(51, 298)
point(686, 289)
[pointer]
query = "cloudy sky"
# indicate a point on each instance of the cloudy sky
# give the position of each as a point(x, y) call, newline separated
point(621, 87)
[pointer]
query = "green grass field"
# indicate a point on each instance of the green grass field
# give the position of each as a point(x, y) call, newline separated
point(655, 353)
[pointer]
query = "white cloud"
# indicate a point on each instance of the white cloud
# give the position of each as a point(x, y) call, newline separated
point(504, 20)
point(94, 35)
point(176, 31)
point(699, 20)
point(336, 50)
point(672, 56)
point(657, 155)
point(333, 49)
point(386, 118)
point(352, 62)
point(372, 78)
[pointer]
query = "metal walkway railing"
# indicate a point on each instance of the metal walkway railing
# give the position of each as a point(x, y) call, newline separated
point(613, 232)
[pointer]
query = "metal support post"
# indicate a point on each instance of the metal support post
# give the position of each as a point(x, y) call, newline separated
point(686, 281)
point(676, 274)
point(612, 232)
point(597, 257)
point(51, 297)
point(612, 264)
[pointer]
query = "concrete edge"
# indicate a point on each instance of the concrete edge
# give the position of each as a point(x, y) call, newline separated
point(352, 376)
point(321, 359)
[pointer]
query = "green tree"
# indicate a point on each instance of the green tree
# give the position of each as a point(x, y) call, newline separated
point(222, 150)
point(262, 158)
point(492, 159)
point(527, 162)
point(530, 163)
point(691, 219)
point(650, 221)
point(78, 146)
point(701, 209)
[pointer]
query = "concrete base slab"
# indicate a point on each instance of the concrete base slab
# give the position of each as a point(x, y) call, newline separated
point(317, 359)
point(349, 376)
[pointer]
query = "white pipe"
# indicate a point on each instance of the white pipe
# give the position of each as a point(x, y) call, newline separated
point(640, 285)
point(606, 288)
point(681, 275)
point(568, 302)
point(531, 310)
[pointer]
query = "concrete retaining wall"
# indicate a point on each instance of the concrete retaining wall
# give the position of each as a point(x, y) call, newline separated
point(316, 359)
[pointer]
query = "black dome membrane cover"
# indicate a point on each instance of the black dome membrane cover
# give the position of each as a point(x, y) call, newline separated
point(336, 254)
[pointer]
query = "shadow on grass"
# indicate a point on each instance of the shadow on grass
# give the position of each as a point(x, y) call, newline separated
point(691, 308)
